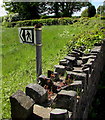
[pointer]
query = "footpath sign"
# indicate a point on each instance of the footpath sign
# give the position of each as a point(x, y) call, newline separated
point(33, 35)
point(27, 35)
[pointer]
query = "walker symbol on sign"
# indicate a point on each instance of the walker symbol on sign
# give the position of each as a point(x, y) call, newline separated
point(27, 35)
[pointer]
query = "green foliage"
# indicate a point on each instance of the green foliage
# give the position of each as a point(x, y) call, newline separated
point(49, 21)
point(26, 10)
point(11, 17)
point(84, 13)
point(101, 9)
point(89, 37)
point(0, 19)
point(89, 12)
point(34, 10)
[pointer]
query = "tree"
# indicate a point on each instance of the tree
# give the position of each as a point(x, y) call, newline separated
point(26, 10)
point(65, 9)
point(89, 12)
point(84, 13)
point(101, 9)
point(33, 10)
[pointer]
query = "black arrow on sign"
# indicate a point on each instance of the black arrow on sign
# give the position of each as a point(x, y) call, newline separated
point(22, 35)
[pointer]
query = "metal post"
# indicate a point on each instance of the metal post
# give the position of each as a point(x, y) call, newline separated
point(38, 30)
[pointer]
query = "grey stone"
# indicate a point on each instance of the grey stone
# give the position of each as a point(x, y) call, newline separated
point(67, 93)
point(42, 80)
point(56, 78)
point(78, 69)
point(21, 106)
point(81, 53)
point(65, 100)
point(77, 76)
point(60, 69)
point(75, 86)
point(88, 65)
point(79, 62)
point(77, 83)
point(85, 58)
point(90, 60)
point(74, 54)
point(64, 62)
point(86, 70)
point(89, 54)
point(69, 68)
point(41, 112)
point(70, 58)
point(96, 49)
point(37, 93)
point(59, 114)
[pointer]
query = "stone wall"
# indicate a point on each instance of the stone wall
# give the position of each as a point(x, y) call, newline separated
point(65, 93)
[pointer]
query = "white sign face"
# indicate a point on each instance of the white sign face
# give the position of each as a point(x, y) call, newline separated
point(27, 35)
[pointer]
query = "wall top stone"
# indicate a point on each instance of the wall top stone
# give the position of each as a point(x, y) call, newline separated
point(77, 83)
point(43, 112)
point(37, 88)
point(77, 74)
point(70, 58)
point(96, 49)
point(59, 66)
point(24, 100)
point(68, 93)
point(58, 111)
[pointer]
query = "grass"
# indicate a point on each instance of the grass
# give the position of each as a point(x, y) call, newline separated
point(18, 60)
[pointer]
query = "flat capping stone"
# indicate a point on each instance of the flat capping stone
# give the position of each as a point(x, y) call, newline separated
point(42, 76)
point(37, 93)
point(91, 60)
point(63, 60)
point(59, 114)
point(76, 83)
point(96, 49)
point(68, 93)
point(78, 51)
point(86, 70)
point(78, 69)
point(88, 56)
point(71, 58)
point(74, 52)
point(37, 87)
point(59, 66)
point(20, 97)
point(76, 74)
point(43, 112)
point(58, 111)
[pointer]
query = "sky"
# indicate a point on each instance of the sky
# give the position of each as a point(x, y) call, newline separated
point(96, 3)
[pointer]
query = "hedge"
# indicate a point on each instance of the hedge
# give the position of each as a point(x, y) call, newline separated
point(102, 17)
point(49, 21)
